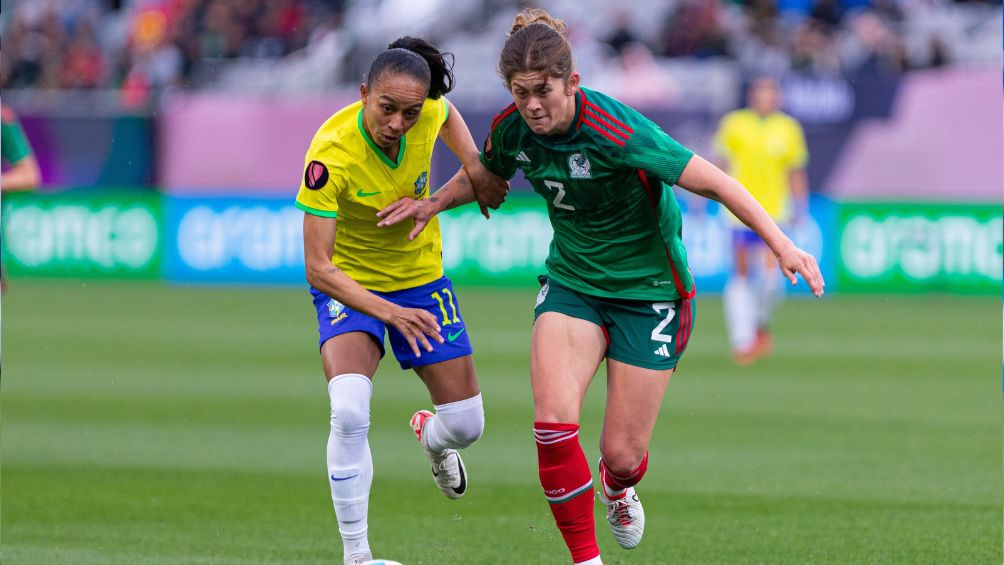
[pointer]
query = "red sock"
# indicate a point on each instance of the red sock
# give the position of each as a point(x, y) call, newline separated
point(617, 482)
point(568, 486)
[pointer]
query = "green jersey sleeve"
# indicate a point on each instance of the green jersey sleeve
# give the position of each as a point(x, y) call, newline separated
point(499, 154)
point(13, 143)
point(655, 152)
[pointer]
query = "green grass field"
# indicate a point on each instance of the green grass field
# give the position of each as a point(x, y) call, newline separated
point(150, 424)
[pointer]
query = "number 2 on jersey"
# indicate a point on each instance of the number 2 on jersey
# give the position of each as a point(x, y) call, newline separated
point(442, 306)
point(559, 196)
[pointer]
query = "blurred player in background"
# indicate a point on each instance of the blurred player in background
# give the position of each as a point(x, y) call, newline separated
point(765, 150)
point(367, 280)
point(21, 171)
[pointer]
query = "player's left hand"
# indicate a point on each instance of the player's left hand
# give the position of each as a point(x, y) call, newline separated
point(794, 260)
point(420, 210)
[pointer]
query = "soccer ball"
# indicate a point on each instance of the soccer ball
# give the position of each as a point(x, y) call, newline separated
point(380, 562)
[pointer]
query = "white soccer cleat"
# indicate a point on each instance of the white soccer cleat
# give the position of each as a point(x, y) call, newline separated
point(447, 467)
point(357, 558)
point(626, 518)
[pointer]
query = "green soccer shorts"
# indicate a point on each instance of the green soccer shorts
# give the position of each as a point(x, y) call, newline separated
point(652, 335)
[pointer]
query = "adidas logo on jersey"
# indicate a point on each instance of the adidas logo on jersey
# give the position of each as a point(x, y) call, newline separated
point(662, 351)
point(522, 157)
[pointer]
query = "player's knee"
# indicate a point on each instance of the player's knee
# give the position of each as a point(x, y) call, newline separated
point(472, 432)
point(348, 420)
point(465, 428)
point(622, 461)
point(463, 421)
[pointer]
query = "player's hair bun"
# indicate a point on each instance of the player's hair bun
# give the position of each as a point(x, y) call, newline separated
point(531, 16)
point(440, 64)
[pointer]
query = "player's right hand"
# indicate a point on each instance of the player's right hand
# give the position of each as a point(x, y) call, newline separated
point(417, 326)
point(489, 190)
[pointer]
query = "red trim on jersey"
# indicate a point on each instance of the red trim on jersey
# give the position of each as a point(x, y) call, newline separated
point(686, 323)
point(606, 124)
point(626, 127)
point(582, 114)
point(676, 276)
point(503, 115)
point(602, 131)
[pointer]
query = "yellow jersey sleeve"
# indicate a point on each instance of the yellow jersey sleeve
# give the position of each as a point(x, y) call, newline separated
point(440, 112)
point(726, 140)
point(322, 182)
point(797, 155)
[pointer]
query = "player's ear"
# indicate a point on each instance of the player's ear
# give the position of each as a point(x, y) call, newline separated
point(572, 84)
point(363, 93)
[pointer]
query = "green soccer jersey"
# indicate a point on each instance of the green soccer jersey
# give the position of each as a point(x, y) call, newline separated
point(608, 186)
point(13, 143)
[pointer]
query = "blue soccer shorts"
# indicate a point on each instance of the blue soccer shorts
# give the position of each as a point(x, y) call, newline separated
point(437, 297)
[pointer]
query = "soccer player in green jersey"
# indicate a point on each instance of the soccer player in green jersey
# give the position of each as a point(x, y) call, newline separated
point(21, 171)
point(617, 284)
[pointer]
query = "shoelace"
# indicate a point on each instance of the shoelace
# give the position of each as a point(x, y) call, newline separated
point(621, 512)
point(440, 464)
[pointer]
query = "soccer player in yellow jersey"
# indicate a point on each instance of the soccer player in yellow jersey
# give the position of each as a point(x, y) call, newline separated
point(367, 279)
point(765, 150)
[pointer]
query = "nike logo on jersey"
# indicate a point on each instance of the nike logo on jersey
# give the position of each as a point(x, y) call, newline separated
point(522, 157)
point(454, 336)
point(662, 351)
point(364, 194)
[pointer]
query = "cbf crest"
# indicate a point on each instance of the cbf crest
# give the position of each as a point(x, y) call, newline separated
point(421, 182)
point(578, 166)
point(336, 311)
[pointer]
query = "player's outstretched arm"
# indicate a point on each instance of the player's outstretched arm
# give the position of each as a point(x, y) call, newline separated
point(416, 325)
point(705, 179)
point(489, 190)
point(456, 192)
point(23, 175)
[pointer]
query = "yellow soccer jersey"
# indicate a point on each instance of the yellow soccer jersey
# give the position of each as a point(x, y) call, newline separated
point(346, 176)
point(761, 153)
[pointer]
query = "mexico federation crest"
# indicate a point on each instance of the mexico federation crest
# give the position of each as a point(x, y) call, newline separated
point(421, 182)
point(578, 166)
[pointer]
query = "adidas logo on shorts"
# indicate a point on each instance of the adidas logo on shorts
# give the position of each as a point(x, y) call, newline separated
point(662, 351)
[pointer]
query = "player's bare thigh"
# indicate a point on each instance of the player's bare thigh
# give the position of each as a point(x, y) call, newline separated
point(634, 398)
point(352, 352)
point(740, 259)
point(450, 381)
point(564, 355)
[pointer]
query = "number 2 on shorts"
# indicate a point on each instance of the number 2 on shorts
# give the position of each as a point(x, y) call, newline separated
point(670, 310)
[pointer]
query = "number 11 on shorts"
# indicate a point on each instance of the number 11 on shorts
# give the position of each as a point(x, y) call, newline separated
point(442, 306)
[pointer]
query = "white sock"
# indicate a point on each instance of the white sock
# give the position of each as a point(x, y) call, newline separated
point(594, 561)
point(740, 313)
point(769, 293)
point(455, 426)
point(350, 466)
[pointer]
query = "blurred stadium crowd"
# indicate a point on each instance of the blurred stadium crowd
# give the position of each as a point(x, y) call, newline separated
point(142, 47)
